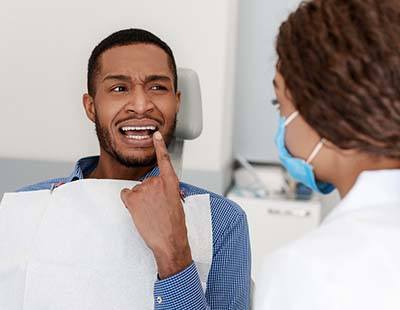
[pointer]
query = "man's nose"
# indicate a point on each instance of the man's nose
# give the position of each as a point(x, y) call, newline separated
point(139, 102)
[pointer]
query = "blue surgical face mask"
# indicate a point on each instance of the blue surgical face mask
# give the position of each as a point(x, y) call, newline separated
point(300, 170)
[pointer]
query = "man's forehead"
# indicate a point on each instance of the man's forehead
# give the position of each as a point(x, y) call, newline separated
point(135, 59)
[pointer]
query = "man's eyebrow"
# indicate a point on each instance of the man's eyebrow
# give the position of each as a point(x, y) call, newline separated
point(157, 77)
point(120, 77)
point(149, 78)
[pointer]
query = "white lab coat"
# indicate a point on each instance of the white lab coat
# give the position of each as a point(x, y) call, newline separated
point(352, 262)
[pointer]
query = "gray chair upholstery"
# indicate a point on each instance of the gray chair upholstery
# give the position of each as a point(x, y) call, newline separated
point(190, 117)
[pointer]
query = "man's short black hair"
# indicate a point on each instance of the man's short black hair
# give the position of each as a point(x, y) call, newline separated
point(123, 38)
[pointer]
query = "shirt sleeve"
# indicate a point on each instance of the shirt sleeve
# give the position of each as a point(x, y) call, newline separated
point(229, 280)
point(181, 291)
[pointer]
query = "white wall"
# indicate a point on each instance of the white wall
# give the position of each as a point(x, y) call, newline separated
point(255, 119)
point(44, 49)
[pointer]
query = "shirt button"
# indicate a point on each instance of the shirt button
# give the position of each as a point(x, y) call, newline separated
point(159, 299)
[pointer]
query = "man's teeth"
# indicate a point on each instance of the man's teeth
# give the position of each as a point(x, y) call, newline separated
point(138, 137)
point(129, 130)
point(138, 128)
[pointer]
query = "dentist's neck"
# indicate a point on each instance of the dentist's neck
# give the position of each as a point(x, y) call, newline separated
point(347, 175)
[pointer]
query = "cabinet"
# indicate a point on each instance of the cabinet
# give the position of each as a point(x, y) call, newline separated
point(275, 222)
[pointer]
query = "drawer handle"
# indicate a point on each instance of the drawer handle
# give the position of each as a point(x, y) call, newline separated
point(295, 213)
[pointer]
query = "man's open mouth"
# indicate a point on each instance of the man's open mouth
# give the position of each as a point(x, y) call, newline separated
point(138, 132)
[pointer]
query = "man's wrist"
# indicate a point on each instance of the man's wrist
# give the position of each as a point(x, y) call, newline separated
point(169, 265)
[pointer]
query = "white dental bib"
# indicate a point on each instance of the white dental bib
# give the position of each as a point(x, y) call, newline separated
point(77, 248)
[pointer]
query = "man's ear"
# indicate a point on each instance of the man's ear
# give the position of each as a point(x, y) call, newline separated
point(88, 104)
point(178, 100)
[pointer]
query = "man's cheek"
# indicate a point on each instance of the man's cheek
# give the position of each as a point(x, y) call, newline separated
point(169, 119)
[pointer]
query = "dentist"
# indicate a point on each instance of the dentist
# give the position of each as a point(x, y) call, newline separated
point(338, 89)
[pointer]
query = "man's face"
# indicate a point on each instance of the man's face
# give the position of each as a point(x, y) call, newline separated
point(134, 97)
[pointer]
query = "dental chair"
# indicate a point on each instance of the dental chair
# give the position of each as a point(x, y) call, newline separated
point(189, 119)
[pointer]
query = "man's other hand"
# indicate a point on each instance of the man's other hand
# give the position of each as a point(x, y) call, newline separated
point(156, 209)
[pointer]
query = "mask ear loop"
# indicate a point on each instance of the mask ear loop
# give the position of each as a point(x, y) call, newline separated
point(316, 150)
point(291, 118)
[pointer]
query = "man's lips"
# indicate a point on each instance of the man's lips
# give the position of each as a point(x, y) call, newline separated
point(138, 133)
point(137, 139)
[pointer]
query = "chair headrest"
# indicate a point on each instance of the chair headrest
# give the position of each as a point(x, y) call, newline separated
point(190, 116)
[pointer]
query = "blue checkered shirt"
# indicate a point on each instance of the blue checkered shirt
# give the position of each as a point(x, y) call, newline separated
point(228, 285)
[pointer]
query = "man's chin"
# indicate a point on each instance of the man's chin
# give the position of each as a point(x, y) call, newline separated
point(135, 161)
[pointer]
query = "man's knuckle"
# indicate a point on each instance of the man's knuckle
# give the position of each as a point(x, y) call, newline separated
point(165, 156)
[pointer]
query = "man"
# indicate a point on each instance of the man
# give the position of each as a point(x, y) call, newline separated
point(133, 100)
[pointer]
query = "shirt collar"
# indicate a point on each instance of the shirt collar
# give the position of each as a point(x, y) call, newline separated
point(152, 173)
point(86, 165)
point(372, 188)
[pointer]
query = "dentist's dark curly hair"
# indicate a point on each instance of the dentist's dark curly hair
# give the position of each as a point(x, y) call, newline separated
point(340, 60)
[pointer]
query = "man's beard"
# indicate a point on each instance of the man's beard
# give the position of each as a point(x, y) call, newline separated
point(104, 137)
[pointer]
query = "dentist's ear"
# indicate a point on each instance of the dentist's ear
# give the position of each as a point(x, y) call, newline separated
point(88, 104)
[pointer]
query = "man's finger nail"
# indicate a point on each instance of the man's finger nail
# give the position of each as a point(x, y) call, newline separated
point(157, 135)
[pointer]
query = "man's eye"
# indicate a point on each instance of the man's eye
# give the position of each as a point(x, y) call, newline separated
point(158, 87)
point(119, 89)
